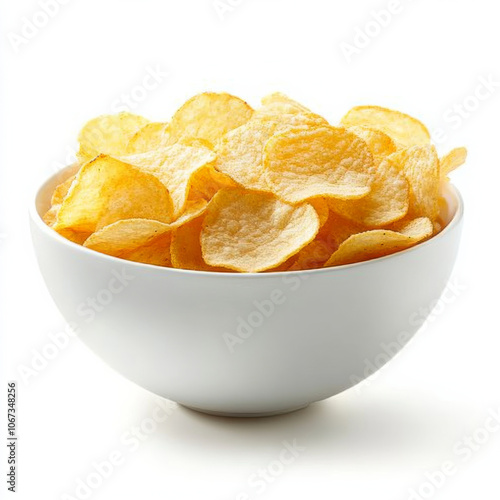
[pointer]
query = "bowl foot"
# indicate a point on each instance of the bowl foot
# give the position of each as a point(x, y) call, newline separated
point(246, 415)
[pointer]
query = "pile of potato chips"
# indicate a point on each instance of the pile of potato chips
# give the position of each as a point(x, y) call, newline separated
point(223, 187)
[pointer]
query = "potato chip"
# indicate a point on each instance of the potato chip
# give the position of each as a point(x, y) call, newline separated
point(106, 190)
point(108, 134)
point(321, 206)
point(61, 191)
point(206, 181)
point(209, 116)
point(78, 237)
point(324, 161)
point(279, 98)
point(174, 166)
point(452, 160)
point(156, 252)
point(379, 144)
point(125, 235)
point(380, 242)
point(387, 201)
point(151, 136)
point(252, 231)
point(312, 256)
point(186, 248)
point(240, 152)
point(50, 216)
point(337, 229)
point(404, 129)
point(420, 165)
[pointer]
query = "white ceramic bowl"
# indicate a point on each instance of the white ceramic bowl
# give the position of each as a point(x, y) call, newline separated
point(244, 344)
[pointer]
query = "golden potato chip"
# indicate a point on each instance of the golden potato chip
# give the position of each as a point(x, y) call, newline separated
point(78, 237)
point(196, 142)
point(186, 248)
point(452, 160)
point(402, 128)
point(324, 161)
point(151, 136)
point(420, 165)
point(380, 242)
point(336, 229)
point(125, 235)
point(106, 190)
point(279, 98)
point(252, 231)
point(50, 216)
point(156, 252)
point(387, 201)
point(312, 256)
point(209, 116)
point(61, 191)
point(379, 144)
point(206, 181)
point(240, 153)
point(174, 166)
point(108, 134)
point(321, 206)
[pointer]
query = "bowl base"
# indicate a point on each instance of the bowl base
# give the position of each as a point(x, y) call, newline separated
point(246, 415)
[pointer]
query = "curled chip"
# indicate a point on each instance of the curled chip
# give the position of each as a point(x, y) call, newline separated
point(126, 235)
point(174, 166)
point(186, 248)
point(61, 191)
point(151, 136)
point(404, 129)
point(279, 98)
point(240, 153)
point(312, 256)
point(379, 144)
point(209, 116)
point(106, 190)
point(207, 181)
point(321, 206)
point(252, 231)
point(380, 242)
point(323, 161)
point(108, 134)
point(420, 165)
point(452, 160)
point(156, 252)
point(388, 200)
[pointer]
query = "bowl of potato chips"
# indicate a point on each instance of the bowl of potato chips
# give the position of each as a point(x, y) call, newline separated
point(247, 261)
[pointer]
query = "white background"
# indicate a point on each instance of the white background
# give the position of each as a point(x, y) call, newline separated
point(377, 441)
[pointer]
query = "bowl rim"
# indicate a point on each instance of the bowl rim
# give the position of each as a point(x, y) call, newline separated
point(37, 219)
